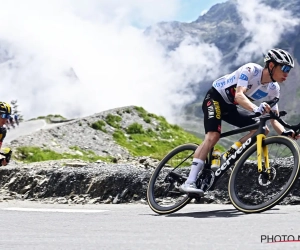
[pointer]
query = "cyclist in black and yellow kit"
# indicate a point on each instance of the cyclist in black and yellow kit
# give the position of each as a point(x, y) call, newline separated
point(5, 112)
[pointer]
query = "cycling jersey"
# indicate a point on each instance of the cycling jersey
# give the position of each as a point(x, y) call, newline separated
point(249, 76)
point(2, 135)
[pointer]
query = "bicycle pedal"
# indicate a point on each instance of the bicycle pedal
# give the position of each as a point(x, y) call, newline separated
point(199, 200)
point(195, 196)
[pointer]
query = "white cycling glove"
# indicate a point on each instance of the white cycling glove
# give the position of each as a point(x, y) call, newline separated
point(260, 108)
point(290, 133)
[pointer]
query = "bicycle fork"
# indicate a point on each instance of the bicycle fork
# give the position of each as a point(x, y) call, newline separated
point(262, 150)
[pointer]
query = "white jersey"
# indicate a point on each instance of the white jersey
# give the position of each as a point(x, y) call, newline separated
point(249, 76)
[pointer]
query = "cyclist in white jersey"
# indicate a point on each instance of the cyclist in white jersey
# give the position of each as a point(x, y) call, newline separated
point(248, 76)
point(249, 83)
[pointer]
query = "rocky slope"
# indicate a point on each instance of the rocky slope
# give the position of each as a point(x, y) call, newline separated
point(78, 182)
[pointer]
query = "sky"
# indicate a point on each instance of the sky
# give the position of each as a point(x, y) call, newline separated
point(190, 10)
point(76, 58)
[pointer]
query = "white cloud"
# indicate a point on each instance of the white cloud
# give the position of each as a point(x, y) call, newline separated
point(266, 25)
point(203, 12)
point(115, 63)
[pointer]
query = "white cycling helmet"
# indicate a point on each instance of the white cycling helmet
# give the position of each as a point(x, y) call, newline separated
point(279, 56)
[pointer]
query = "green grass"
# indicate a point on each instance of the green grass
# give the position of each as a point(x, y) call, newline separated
point(99, 125)
point(135, 128)
point(36, 154)
point(48, 117)
point(155, 143)
point(144, 114)
point(113, 120)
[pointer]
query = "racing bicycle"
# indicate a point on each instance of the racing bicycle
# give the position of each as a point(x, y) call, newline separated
point(264, 170)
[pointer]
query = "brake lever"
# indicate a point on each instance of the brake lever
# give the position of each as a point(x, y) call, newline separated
point(272, 102)
point(282, 113)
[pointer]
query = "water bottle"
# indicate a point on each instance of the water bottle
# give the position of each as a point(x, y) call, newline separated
point(215, 163)
point(232, 150)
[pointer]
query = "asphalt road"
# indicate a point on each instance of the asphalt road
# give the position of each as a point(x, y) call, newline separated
point(31, 225)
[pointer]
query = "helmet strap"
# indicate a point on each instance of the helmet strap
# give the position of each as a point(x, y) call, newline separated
point(271, 71)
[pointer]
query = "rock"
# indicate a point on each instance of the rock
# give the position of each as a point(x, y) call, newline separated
point(78, 153)
point(116, 199)
point(143, 201)
point(94, 201)
point(62, 200)
point(108, 200)
point(76, 164)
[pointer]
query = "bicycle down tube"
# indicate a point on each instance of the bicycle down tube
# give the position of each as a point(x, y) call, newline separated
point(256, 138)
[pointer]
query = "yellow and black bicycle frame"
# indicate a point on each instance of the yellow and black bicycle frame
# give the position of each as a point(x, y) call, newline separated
point(262, 150)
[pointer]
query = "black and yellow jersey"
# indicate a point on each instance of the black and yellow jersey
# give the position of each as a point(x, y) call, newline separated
point(2, 135)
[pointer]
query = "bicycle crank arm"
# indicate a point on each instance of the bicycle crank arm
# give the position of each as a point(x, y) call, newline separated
point(177, 177)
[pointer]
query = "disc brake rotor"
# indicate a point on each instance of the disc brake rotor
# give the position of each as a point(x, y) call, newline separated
point(265, 179)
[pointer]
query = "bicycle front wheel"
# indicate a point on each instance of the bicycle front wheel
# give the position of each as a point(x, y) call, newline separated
point(251, 191)
point(163, 193)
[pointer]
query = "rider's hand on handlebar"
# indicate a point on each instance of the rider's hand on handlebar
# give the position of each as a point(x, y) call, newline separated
point(262, 108)
point(3, 162)
point(290, 133)
point(6, 152)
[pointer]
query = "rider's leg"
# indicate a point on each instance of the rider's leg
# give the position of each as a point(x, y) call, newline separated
point(240, 118)
point(211, 138)
point(212, 124)
point(247, 136)
point(252, 132)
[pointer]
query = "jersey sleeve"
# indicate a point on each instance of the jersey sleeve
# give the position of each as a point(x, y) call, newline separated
point(244, 76)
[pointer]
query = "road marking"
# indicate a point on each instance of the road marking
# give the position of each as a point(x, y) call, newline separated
point(54, 210)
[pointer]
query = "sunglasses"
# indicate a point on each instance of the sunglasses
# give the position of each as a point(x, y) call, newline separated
point(286, 68)
point(5, 116)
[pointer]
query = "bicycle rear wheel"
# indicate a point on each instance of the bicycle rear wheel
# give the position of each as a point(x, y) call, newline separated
point(163, 194)
point(253, 192)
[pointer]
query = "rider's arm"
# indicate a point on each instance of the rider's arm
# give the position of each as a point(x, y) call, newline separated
point(242, 100)
point(276, 125)
point(274, 91)
point(245, 74)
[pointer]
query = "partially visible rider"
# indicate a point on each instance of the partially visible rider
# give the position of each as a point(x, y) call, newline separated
point(250, 82)
point(5, 112)
point(11, 121)
point(16, 119)
point(7, 125)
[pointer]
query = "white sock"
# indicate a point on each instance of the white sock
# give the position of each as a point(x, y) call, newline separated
point(197, 166)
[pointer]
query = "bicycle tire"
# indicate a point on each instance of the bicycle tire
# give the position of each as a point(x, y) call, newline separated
point(271, 142)
point(154, 205)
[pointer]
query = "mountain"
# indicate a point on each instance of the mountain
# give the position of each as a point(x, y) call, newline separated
point(222, 26)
